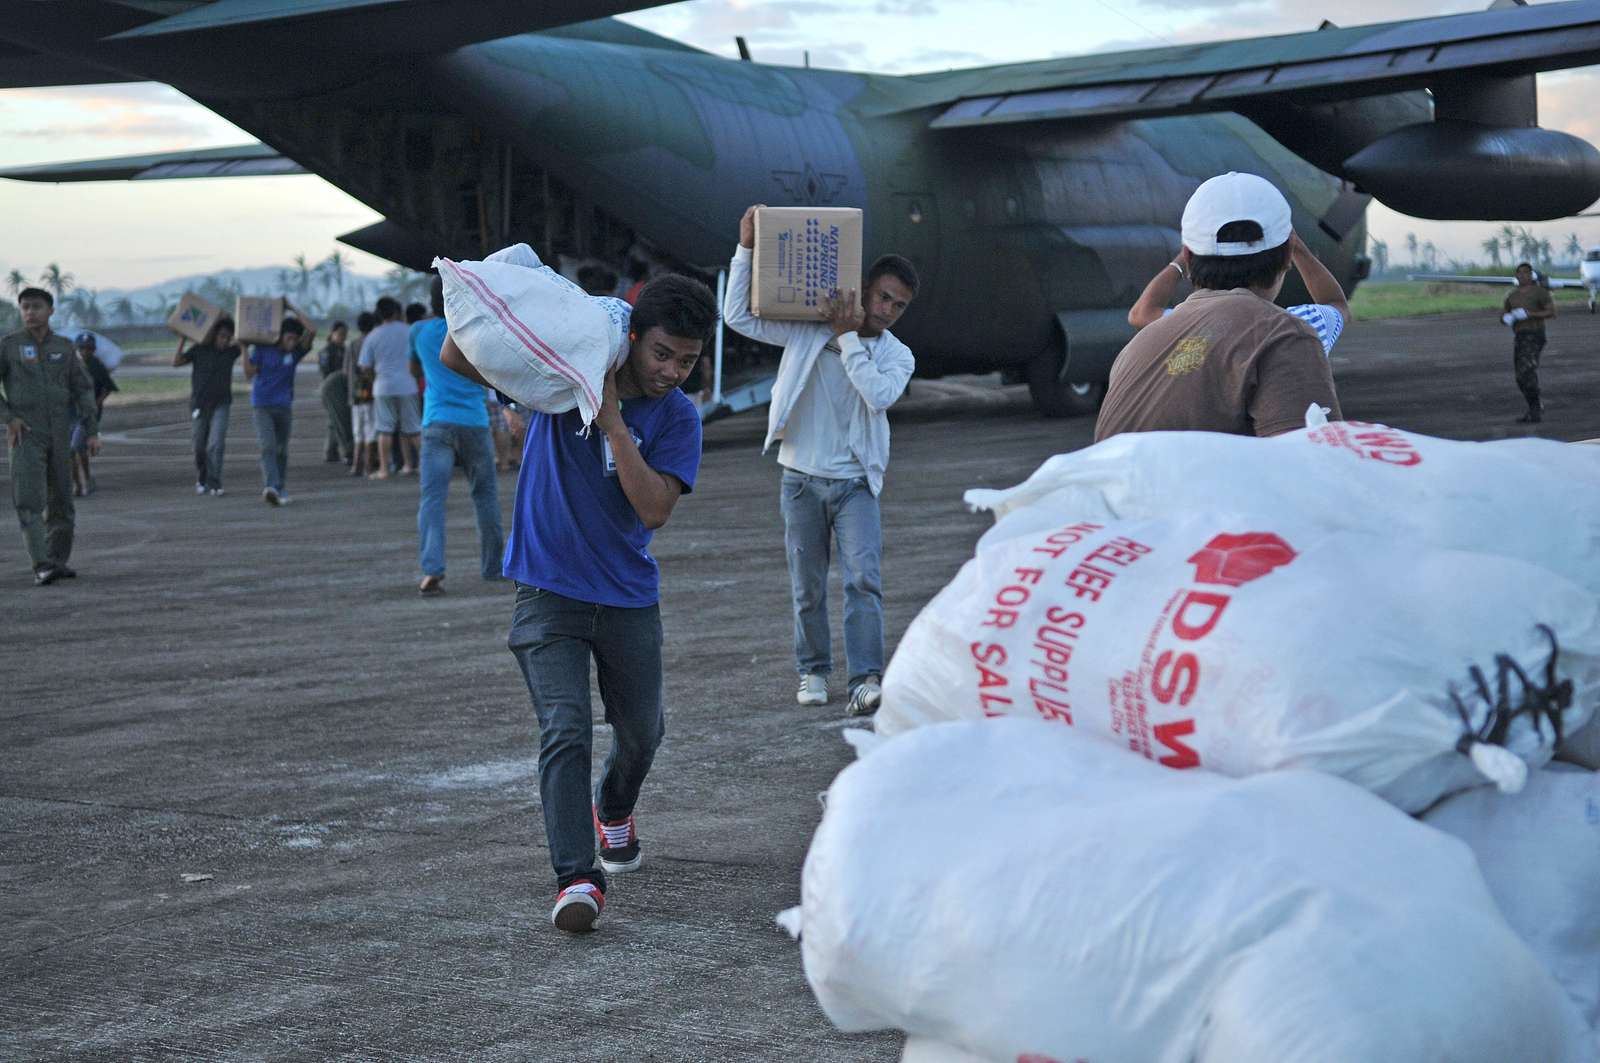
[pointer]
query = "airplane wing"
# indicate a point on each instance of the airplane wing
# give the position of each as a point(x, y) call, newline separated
point(1320, 66)
point(244, 160)
point(1503, 281)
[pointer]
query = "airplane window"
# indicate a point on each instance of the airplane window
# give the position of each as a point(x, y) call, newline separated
point(916, 214)
point(1012, 206)
point(1593, 256)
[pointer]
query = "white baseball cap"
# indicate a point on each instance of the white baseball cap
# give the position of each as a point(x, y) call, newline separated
point(1234, 197)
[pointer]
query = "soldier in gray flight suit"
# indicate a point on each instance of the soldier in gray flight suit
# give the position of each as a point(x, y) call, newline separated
point(41, 377)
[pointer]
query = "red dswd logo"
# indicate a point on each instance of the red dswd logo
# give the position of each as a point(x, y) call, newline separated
point(1234, 560)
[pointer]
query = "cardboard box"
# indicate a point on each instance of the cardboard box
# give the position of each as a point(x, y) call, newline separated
point(802, 255)
point(194, 317)
point(258, 319)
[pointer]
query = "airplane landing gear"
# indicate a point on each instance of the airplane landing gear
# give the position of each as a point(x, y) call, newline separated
point(1052, 396)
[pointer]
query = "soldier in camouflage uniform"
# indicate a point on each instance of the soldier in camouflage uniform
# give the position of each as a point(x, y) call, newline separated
point(41, 378)
point(1527, 308)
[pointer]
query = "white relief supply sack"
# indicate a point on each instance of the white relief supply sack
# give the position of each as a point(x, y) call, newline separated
point(531, 333)
point(1018, 892)
point(1529, 498)
point(1247, 644)
point(1539, 851)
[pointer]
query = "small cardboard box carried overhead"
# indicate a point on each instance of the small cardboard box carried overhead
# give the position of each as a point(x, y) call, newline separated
point(259, 319)
point(802, 255)
point(193, 317)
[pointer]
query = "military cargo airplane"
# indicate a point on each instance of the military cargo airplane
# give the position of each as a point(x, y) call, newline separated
point(1035, 198)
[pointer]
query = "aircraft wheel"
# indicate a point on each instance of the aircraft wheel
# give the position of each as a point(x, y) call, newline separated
point(1051, 397)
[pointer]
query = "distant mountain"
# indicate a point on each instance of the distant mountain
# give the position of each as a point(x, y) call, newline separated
point(359, 288)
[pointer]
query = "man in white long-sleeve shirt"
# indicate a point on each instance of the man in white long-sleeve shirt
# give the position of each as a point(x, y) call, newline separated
point(836, 379)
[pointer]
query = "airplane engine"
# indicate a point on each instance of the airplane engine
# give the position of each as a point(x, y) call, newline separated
point(1454, 170)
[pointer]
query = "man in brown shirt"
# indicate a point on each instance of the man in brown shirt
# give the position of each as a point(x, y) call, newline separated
point(1227, 359)
point(1526, 310)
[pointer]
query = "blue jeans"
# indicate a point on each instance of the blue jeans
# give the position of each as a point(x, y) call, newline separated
point(443, 445)
point(816, 511)
point(553, 638)
point(209, 432)
point(272, 432)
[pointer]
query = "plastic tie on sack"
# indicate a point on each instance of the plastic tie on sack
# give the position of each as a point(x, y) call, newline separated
point(1317, 415)
point(1485, 743)
point(790, 921)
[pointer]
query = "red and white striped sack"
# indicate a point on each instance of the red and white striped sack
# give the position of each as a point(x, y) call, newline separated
point(531, 333)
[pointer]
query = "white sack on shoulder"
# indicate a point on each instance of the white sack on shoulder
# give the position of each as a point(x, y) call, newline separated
point(531, 333)
point(1539, 851)
point(1532, 499)
point(1248, 644)
point(1007, 888)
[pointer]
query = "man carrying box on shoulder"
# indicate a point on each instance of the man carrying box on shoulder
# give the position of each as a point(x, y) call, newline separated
point(587, 503)
point(837, 378)
point(270, 370)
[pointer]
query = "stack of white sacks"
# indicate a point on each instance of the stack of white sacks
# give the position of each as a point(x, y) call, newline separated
point(1238, 751)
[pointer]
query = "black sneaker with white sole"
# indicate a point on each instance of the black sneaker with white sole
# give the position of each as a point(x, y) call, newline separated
point(866, 697)
point(619, 844)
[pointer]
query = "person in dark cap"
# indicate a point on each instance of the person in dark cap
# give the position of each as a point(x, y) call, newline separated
point(42, 379)
point(82, 480)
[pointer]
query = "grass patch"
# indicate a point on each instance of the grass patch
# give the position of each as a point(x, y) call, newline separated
point(148, 390)
point(1385, 299)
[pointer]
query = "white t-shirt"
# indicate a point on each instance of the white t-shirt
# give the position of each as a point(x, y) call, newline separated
point(388, 349)
point(816, 438)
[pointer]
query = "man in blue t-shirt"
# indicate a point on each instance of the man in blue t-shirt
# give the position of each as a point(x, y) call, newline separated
point(455, 430)
point(587, 502)
point(270, 370)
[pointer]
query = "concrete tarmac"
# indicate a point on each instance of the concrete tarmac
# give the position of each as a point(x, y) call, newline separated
point(259, 696)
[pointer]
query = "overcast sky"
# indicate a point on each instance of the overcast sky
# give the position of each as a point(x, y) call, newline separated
point(125, 234)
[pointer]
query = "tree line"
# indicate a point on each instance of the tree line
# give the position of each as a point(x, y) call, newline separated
point(324, 289)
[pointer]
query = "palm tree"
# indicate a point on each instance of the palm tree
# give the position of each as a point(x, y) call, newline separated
point(58, 282)
point(408, 285)
point(1527, 244)
point(1430, 255)
point(1411, 246)
point(304, 274)
point(1574, 247)
point(123, 310)
point(84, 308)
point(16, 281)
point(332, 270)
point(1547, 252)
point(285, 279)
point(1380, 256)
point(1508, 238)
point(1492, 246)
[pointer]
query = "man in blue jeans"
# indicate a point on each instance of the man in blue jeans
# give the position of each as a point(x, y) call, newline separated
point(270, 370)
point(587, 503)
point(455, 429)
point(837, 378)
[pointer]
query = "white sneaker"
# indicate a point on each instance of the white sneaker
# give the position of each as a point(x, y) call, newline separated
point(866, 698)
point(217, 492)
point(199, 489)
point(271, 497)
point(813, 690)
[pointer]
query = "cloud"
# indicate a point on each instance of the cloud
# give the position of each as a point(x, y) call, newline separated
point(126, 127)
point(903, 8)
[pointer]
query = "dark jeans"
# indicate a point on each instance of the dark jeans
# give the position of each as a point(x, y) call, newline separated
point(1525, 364)
point(272, 432)
point(443, 446)
point(553, 638)
point(209, 432)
